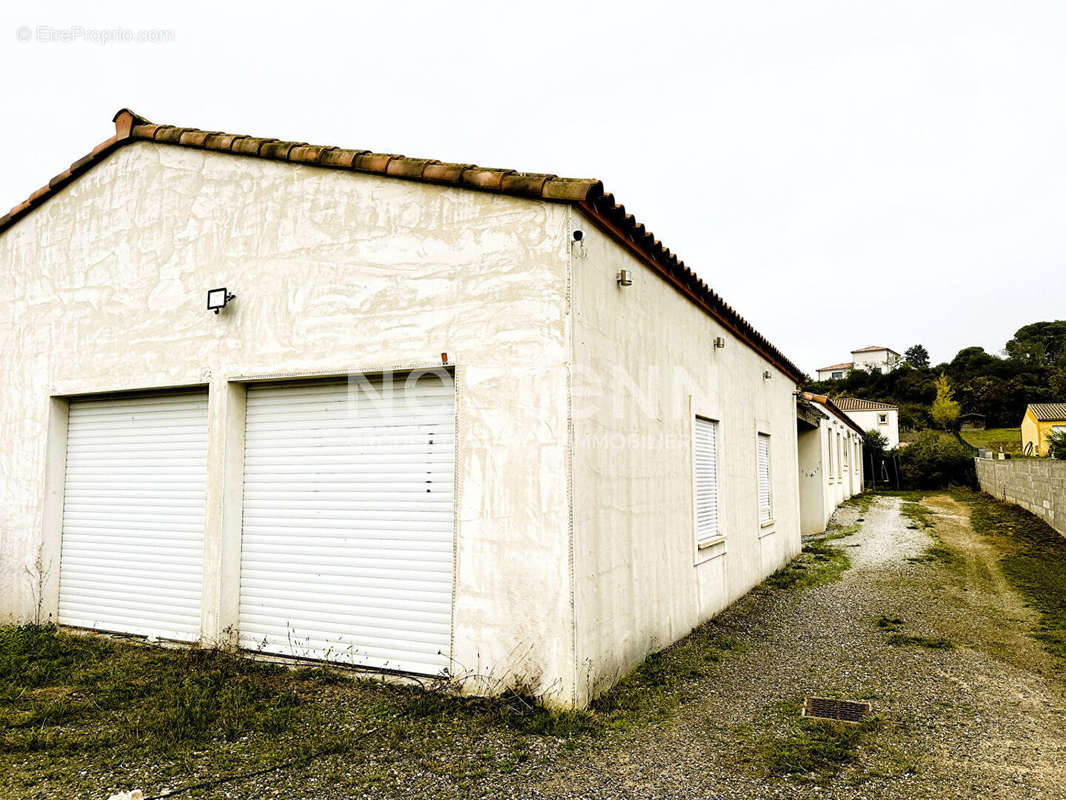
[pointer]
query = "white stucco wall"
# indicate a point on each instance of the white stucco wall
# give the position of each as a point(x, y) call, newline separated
point(644, 365)
point(870, 420)
point(827, 480)
point(334, 273)
point(884, 360)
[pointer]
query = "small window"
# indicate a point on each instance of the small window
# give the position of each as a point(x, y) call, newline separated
point(766, 506)
point(706, 466)
point(840, 458)
point(844, 450)
point(882, 419)
point(837, 375)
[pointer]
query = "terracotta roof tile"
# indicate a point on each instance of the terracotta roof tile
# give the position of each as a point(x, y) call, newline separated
point(845, 365)
point(834, 409)
point(587, 194)
point(857, 404)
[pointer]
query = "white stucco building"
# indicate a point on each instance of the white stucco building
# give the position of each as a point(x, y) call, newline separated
point(448, 419)
point(830, 461)
point(874, 357)
point(871, 415)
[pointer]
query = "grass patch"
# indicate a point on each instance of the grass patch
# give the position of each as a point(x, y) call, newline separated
point(1035, 563)
point(937, 643)
point(861, 501)
point(80, 712)
point(992, 438)
point(921, 518)
point(819, 563)
point(815, 749)
point(665, 679)
point(52, 683)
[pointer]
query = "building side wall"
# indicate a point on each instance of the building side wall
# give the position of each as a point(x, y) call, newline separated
point(868, 421)
point(1038, 486)
point(813, 476)
point(645, 364)
point(334, 273)
point(1031, 433)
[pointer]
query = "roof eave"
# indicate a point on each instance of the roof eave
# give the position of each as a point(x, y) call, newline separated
point(585, 194)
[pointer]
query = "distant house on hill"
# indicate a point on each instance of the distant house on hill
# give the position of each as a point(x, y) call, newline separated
point(835, 372)
point(872, 416)
point(874, 357)
point(1041, 419)
point(972, 422)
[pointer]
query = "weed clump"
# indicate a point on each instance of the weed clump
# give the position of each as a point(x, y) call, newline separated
point(816, 749)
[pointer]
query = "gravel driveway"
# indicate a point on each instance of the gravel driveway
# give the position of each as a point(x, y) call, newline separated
point(985, 719)
point(922, 625)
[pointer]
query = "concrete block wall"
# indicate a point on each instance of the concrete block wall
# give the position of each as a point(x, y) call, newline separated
point(1037, 485)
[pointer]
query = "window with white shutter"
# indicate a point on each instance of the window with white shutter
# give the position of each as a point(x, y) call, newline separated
point(706, 466)
point(766, 510)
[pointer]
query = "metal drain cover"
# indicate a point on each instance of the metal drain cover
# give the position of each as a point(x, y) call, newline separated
point(843, 710)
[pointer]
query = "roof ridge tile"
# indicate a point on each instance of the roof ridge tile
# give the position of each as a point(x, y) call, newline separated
point(587, 194)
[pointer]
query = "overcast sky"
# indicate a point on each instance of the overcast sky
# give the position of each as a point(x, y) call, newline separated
point(843, 173)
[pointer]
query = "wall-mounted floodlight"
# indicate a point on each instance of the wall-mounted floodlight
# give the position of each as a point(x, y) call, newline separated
point(217, 299)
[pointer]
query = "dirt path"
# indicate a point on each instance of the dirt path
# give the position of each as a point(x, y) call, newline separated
point(983, 719)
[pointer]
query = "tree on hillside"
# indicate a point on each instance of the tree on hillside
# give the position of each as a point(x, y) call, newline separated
point(1039, 343)
point(945, 410)
point(917, 356)
point(873, 441)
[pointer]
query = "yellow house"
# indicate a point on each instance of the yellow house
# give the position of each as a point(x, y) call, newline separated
point(1041, 419)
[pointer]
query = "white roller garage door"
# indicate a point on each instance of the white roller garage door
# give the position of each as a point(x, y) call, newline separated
point(346, 552)
point(133, 515)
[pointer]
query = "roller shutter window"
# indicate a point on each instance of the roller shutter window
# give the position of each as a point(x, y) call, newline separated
point(765, 493)
point(706, 467)
point(347, 544)
point(131, 558)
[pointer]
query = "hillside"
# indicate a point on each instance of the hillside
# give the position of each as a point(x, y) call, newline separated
point(1031, 369)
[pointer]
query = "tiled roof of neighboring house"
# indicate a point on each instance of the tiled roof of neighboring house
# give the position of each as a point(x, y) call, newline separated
point(855, 404)
point(873, 349)
point(587, 194)
point(846, 365)
point(832, 407)
point(1049, 412)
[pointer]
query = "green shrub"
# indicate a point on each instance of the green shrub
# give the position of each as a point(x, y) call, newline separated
point(936, 461)
point(1056, 444)
point(873, 441)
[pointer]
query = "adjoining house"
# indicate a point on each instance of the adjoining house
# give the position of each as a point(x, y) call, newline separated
point(1041, 419)
point(872, 358)
point(830, 460)
point(398, 413)
point(871, 415)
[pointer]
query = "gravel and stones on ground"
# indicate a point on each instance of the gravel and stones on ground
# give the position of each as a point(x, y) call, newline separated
point(922, 625)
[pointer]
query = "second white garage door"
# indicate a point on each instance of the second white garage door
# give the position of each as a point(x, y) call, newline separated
point(346, 553)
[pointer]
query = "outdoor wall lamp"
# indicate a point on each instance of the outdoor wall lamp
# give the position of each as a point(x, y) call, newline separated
point(625, 278)
point(217, 299)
